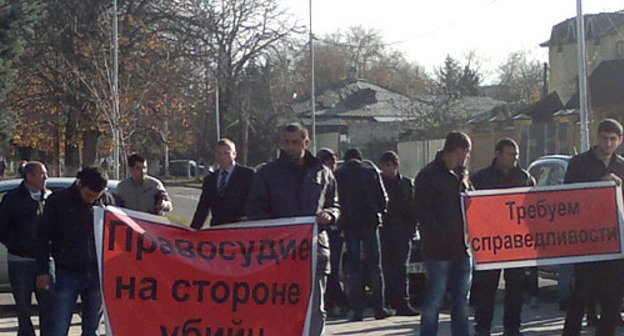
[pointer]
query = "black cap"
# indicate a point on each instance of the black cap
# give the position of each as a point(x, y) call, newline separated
point(353, 153)
point(325, 153)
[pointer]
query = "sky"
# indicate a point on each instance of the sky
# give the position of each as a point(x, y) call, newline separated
point(428, 30)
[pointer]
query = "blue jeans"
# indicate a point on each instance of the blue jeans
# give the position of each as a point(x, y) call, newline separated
point(68, 286)
point(22, 275)
point(456, 275)
point(366, 243)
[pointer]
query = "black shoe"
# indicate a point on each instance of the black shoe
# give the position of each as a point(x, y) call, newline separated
point(406, 310)
point(382, 314)
point(356, 317)
point(517, 333)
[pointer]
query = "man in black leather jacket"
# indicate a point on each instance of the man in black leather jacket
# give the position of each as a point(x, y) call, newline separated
point(20, 213)
point(399, 226)
point(297, 184)
point(599, 280)
point(362, 200)
point(503, 173)
point(437, 190)
point(67, 232)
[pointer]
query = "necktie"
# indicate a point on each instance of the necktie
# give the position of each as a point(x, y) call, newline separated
point(222, 180)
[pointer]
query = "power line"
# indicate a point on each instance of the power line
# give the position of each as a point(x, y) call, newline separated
point(426, 34)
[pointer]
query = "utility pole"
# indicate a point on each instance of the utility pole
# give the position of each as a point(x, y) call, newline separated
point(582, 75)
point(312, 93)
point(217, 112)
point(116, 115)
point(166, 135)
point(217, 107)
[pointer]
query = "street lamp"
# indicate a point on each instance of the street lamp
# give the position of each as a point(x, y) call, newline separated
point(116, 116)
point(582, 76)
point(312, 93)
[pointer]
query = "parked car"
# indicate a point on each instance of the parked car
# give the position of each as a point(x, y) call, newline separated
point(54, 184)
point(186, 168)
point(416, 273)
point(550, 170)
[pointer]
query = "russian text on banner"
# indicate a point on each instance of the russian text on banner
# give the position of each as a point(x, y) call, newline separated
point(522, 227)
point(252, 278)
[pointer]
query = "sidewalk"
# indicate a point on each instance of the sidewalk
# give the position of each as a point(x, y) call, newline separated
point(545, 320)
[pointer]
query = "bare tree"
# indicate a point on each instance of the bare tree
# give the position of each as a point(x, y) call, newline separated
point(520, 78)
point(224, 36)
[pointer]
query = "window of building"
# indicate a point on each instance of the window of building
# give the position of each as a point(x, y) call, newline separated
point(619, 49)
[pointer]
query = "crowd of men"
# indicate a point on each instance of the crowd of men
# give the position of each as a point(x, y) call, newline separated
point(371, 212)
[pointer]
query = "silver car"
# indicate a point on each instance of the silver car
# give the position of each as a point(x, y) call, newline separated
point(550, 170)
point(54, 184)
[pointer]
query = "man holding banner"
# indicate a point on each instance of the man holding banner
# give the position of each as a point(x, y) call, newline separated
point(66, 232)
point(438, 210)
point(602, 279)
point(503, 173)
point(297, 184)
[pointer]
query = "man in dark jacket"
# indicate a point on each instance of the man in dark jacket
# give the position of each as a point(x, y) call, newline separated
point(67, 232)
point(224, 192)
point(503, 173)
point(20, 213)
point(297, 184)
point(438, 211)
point(396, 233)
point(336, 302)
point(601, 280)
point(362, 201)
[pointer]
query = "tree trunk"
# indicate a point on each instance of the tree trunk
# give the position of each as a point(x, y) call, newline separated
point(89, 147)
point(72, 151)
point(241, 149)
point(58, 171)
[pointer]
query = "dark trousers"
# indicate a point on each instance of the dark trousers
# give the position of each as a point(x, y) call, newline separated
point(335, 295)
point(68, 286)
point(600, 280)
point(363, 254)
point(485, 287)
point(22, 275)
point(395, 250)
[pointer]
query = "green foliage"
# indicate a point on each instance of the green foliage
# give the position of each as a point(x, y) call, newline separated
point(17, 19)
point(457, 81)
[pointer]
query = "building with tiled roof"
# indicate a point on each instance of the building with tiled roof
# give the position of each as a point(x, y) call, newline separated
point(357, 113)
point(604, 41)
point(360, 114)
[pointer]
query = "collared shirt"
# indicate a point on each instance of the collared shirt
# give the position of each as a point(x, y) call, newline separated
point(37, 194)
point(229, 170)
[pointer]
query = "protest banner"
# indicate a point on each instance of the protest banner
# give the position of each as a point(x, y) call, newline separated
point(251, 278)
point(522, 227)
